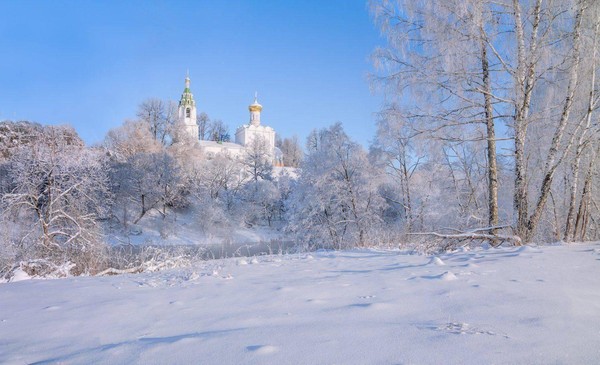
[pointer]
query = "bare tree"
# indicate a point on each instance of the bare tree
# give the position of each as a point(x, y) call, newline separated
point(556, 152)
point(150, 181)
point(258, 159)
point(587, 137)
point(218, 131)
point(16, 134)
point(219, 175)
point(292, 151)
point(437, 57)
point(60, 191)
point(159, 116)
point(394, 150)
point(203, 126)
point(131, 138)
point(336, 203)
point(458, 68)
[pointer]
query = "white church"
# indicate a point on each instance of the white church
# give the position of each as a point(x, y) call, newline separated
point(244, 134)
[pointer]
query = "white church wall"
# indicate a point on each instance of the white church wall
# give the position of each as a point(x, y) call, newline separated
point(244, 135)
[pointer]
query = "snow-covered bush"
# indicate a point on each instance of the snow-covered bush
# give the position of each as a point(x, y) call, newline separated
point(335, 203)
point(145, 182)
point(261, 201)
point(58, 193)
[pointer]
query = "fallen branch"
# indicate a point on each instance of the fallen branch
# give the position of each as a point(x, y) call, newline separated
point(496, 240)
point(113, 271)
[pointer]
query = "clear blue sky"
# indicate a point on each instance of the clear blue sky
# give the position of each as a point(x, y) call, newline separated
point(90, 64)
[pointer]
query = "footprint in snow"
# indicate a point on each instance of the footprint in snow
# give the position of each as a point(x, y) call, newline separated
point(360, 305)
point(262, 349)
point(459, 328)
point(371, 306)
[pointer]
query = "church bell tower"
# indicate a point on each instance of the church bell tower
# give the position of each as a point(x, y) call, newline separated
point(187, 111)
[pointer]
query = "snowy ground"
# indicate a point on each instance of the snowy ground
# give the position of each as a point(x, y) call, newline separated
point(511, 305)
point(182, 228)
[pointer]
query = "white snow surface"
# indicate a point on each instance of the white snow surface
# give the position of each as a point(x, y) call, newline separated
point(537, 305)
point(182, 229)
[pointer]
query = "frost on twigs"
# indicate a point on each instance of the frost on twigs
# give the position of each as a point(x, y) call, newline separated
point(38, 268)
point(134, 260)
point(478, 237)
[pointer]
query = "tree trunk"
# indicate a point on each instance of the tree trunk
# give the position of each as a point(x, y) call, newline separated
point(525, 82)
point(584, 201)
point(406, 188)
point(492, 168)
point(570, 230)
point(551, 160)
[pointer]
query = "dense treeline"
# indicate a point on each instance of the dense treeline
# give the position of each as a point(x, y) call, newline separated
point(504, 94)
point(60, 198)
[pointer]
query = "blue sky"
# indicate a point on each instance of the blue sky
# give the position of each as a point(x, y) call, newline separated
point(90, 64)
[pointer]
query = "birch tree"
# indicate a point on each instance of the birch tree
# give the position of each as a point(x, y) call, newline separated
point(437, 67)
point(482, 64)
point(395, 150)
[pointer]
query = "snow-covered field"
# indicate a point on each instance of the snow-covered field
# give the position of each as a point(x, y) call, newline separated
point(530, 305)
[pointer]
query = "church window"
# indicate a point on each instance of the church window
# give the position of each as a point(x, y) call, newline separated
point(187, 112)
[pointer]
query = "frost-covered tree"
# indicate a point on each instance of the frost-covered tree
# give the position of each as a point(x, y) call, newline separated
point(203, 122)
point(258, 159)
point(218, 185)
point(218, 131)
point(219, 175)
point(463, 70)
point(395, 150)
point(59, 193)
point(16, 134)
point(292, 151)
point(131, 138)
point(261, 202)
point(335, 202)
point(145, 182)
point(437, 67)
point(159, 116)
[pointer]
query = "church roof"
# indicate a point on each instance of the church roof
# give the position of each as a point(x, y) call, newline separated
point(255, 106)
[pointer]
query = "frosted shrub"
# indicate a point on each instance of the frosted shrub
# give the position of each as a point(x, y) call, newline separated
point(58, 192)
point(335, 203)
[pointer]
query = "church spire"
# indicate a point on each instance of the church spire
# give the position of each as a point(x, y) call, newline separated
point(187, 98)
